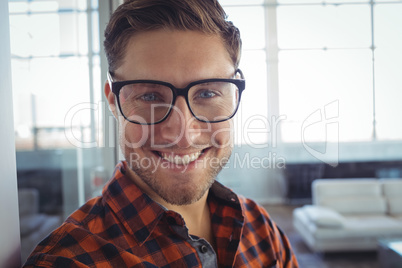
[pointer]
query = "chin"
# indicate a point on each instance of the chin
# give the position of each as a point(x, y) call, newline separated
point(179, 184)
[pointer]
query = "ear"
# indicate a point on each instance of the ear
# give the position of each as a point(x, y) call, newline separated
point(239, 74)
point(110, 99)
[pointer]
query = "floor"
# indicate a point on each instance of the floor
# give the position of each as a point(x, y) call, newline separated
point(282, 215)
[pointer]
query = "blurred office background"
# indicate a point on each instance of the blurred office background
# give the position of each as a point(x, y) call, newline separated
point(322, 100)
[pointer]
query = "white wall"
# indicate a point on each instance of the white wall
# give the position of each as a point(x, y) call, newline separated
point(9, 222)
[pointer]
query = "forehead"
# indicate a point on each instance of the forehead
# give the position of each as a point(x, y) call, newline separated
point(171, 55)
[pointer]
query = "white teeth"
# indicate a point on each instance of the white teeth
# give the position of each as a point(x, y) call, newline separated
point(180, 160)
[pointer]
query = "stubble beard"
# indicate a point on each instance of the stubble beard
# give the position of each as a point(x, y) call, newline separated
point(182, 191)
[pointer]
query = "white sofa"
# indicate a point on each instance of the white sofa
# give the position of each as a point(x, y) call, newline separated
point(350, 214)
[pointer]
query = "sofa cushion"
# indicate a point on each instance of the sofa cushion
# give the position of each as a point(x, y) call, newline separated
point(395, 206)
point(363, 227)
point(392, 187)
point(357, 205)
point(345, 187)
point(324, 217)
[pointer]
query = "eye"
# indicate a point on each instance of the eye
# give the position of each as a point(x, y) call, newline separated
point(206, 94)
point(149, 97)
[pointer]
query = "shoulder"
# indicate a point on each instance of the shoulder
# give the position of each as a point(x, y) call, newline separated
point(71, 239)
point(92, 209)
point(253, 211)
point(258, 223)
point(260, 228)
point(59, 247)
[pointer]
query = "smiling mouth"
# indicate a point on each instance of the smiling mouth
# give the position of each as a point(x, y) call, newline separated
point(180, 159)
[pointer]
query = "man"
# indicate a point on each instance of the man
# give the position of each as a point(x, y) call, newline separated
point(173, 87)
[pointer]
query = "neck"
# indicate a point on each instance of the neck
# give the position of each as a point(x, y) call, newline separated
point(196, 215)
point(197, 218)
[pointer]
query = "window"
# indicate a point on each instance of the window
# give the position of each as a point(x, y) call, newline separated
point(58, 113)
point(252, 112)
point(337, 56)
point(55, 66)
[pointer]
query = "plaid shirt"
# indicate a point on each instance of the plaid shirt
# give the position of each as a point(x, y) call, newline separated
point(125, 228)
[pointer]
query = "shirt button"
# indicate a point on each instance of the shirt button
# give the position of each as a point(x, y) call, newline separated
point(203, 249)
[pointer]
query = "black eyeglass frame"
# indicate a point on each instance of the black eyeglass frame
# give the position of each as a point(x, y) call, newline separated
point(116, 87)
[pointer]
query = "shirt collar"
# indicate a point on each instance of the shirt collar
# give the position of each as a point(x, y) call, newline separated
point(223, 193)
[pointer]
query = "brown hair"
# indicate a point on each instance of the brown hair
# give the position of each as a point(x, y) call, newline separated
point(143, 15)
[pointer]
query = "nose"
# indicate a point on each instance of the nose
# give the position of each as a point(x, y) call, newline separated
point(181, 128)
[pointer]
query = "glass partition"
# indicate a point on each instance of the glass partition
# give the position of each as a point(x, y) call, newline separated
point(58, 111)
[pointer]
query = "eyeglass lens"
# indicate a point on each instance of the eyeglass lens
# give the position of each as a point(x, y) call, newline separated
point(150, 102)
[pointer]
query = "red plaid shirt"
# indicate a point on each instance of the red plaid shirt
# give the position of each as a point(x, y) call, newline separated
point(125, 228)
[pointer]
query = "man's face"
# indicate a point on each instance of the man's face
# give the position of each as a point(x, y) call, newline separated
point(178, 159)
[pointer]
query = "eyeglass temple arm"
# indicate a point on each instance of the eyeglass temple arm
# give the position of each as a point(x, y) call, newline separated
point(109, 78)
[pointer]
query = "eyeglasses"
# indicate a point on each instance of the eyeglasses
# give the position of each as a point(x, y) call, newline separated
point(148, 102)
